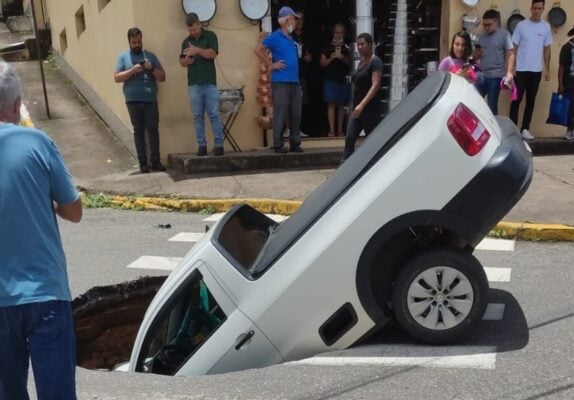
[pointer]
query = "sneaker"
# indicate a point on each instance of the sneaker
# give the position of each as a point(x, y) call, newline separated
point(144, 169)
point(569, 135)
point(201, 151)
point(218, 151)
point(526, 135)
point(280, 150)
point(295, 149)
point(157, 166)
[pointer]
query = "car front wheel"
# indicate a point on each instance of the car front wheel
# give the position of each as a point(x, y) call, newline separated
point(440, 294)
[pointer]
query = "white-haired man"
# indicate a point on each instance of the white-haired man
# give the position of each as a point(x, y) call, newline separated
point(285, 87)
point(35, 310)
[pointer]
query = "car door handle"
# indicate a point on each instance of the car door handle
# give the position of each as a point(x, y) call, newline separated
point(244, 339)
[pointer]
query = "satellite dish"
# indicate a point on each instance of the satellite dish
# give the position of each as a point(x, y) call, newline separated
point(471, 3)
point(254, 9)
point(205, 9)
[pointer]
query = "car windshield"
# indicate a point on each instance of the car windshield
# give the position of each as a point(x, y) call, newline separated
point(182, 326)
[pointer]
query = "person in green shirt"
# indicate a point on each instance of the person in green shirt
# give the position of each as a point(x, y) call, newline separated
point(198, 52)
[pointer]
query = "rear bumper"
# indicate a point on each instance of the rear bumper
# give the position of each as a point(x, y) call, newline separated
point(487, 198)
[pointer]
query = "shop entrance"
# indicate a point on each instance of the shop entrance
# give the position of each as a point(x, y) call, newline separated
point(320, 16)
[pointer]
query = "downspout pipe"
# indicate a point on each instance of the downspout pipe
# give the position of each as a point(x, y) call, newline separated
point(364, 15)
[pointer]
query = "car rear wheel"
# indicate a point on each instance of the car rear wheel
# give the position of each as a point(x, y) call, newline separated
point(440, 294)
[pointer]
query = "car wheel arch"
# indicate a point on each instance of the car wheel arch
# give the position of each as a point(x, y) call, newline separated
point(398, 240)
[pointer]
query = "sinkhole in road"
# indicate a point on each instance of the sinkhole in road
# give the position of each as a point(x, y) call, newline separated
point(107, 319)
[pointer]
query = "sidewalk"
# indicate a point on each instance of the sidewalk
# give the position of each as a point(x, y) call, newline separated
point(100, 163)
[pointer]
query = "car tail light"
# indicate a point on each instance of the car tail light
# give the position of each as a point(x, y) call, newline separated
point(467, 129)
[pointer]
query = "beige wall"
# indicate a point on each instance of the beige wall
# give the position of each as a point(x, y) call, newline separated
point(506, 8)
point(94, 52)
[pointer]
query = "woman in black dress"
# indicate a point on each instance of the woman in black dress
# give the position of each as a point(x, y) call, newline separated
point(367, 108)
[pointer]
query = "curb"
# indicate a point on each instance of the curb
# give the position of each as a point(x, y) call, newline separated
point(504, 229)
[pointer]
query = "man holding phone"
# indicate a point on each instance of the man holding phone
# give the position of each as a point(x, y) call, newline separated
point(496, 53)
point(139, 70)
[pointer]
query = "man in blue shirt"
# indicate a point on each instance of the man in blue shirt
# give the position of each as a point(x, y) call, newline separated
point(35, 302)
point(139, 70)
point(285, 87)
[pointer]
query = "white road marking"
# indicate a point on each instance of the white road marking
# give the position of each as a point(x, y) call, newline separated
point(153, 262)
point(214, 217)
point(498, 274)
point(496, 244)
point(494, 312)
point(187, 237)
point(478, 357)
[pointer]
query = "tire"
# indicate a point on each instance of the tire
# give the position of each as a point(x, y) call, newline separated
point(426, 309)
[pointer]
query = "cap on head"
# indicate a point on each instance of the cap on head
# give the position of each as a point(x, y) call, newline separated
point(571, 32)
point(287, 12)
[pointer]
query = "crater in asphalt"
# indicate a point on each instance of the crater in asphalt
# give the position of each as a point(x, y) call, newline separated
point(107, 319)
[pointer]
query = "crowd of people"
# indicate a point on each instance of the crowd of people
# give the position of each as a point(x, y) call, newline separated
point(287, 57)
point(498, 60)
point(517, 62)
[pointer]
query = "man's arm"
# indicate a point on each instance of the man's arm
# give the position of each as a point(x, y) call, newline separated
point(547, 54)
point(510, 63)
point(70, 212)
point(156, 69)
point(122, 76)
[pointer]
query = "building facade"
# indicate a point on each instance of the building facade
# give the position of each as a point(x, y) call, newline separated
point(88, 35)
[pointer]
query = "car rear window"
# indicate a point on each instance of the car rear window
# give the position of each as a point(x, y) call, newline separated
point(180, 329)
point(242, 235)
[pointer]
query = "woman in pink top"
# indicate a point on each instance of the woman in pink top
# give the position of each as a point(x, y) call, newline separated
point(459, 60)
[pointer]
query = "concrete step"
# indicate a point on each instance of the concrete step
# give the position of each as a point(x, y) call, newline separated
point(264, 159)
point(312, 157)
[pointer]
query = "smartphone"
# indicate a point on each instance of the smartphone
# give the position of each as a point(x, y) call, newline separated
point(142, 63)
point(338, 50)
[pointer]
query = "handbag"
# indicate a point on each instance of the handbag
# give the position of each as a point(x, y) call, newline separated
point(559, 108)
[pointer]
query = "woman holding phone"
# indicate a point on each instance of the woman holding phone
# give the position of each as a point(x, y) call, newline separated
point(367, 109)
point(336, 62)
point(459, 62)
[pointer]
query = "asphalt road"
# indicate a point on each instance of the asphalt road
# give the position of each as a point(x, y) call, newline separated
point(526, 355)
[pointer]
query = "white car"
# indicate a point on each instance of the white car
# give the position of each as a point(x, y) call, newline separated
point(389, 235)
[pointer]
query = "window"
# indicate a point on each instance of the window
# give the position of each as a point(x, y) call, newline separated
point(186, 322)
point(242, 236)
point(102, 4)
point(80, 21)
point(63, 41)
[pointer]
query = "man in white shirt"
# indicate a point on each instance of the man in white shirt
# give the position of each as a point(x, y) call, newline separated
point(532, 39)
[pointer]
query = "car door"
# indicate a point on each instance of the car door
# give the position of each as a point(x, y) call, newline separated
point(199, 330)
point(237, 344)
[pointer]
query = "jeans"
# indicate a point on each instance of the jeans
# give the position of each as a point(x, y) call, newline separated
point(44, 333)
point(205, 99)
point(490, 87)
point(145, 116)
point(526, 82)
point(367, 121)
point(287, 99)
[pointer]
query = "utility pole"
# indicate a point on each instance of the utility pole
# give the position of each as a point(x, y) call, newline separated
point(39, 52)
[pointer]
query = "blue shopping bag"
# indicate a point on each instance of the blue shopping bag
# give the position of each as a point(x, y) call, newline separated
point(559, 107)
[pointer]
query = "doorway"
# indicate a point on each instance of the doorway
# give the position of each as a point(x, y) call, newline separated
point(319, 18)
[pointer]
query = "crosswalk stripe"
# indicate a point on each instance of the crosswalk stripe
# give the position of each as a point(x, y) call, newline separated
point(186, 237)
point(498, 274)
point(217, 216)
point(154, 262)
point(496, 244)
point(478, 357)
point(494, 312)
